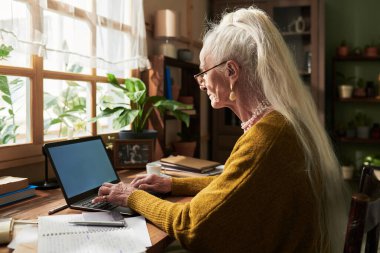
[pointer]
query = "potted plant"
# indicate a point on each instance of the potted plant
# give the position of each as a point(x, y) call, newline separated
point(371, 50)
point(139, 108)
point(187, 144)
point(347, 169)
point(362, 122)
point(359, 90)
point(351, 129)
point(345, 87)
point(342, 50)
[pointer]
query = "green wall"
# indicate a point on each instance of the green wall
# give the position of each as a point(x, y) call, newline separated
point(358, 23)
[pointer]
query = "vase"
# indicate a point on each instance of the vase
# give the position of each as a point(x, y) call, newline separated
point(145, 134)
point(345, 91)
point(342, 51)
point(347, 171)
point(185, 148)
point(363, 132)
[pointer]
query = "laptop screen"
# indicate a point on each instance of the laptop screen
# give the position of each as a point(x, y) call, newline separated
point(82, 164)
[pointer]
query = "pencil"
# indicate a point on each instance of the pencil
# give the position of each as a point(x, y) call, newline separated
point(55, 210)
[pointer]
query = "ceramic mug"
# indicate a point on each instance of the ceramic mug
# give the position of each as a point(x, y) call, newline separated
point(153, 168)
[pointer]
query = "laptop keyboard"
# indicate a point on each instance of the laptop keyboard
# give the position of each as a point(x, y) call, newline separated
point(99, 205)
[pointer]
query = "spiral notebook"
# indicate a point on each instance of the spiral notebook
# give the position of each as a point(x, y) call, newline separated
point(55, 234)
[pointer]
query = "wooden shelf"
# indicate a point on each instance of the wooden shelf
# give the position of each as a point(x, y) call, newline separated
point(359, 100)
point(358, 140)
point(356, 58)
point(290, 34)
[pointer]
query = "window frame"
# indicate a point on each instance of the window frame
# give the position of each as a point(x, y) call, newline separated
point(16, 155)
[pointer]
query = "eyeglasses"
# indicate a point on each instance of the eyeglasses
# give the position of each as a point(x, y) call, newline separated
point(200, 76)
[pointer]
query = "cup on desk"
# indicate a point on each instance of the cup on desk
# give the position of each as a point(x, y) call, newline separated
point(153, 168)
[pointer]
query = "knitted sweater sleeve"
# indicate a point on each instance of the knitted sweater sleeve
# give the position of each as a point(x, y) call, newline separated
point(190, 186)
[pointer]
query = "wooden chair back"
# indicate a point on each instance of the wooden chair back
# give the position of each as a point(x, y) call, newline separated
point(364, 216)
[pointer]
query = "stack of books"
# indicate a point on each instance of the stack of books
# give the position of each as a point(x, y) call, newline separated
point(184, 166)
point(14, 189)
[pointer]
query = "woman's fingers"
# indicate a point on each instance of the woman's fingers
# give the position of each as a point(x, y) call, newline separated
point(138, 178)
point(148, 179)
point(147, 187)
point(100, 199)
point(104, 190)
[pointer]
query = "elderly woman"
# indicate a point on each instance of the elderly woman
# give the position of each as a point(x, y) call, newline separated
point(280, 190)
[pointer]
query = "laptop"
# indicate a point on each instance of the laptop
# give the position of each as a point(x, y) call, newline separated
point(81, 167)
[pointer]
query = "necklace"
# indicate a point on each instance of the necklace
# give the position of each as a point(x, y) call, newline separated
point(262, 107)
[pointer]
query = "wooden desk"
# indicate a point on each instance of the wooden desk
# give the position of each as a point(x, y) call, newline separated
point(47, 200)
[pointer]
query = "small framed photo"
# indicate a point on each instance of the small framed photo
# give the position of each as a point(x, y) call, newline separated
point(133, 153)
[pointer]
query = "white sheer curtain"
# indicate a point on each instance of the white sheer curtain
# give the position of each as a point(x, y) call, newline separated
point(102, 34)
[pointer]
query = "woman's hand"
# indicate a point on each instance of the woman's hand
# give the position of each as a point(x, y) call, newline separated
point(117, 194)
point(152, 183)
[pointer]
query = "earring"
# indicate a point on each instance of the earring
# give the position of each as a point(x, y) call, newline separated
point(232, 96)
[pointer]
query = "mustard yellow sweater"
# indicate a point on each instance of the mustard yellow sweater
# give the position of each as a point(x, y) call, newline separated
point(262, 202)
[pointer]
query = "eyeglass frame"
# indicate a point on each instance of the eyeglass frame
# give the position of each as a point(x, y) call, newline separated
point(201, 74)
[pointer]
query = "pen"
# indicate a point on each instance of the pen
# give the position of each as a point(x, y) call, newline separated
point(100, 223)
point(57, 209)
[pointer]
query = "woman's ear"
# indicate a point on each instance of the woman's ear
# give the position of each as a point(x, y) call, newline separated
point(232, 70)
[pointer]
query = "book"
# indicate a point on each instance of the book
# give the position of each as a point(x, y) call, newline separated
point(11, 184)
point(14, 196)
point(187, 111)
point(181, 173)
point(168, 83)
point(186, 163)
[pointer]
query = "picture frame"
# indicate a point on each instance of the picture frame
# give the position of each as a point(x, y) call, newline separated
point(133, 153)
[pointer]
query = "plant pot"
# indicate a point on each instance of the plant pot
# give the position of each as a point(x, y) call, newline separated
point(362, 132)
point(371, 52)
point(351, 133)
point(359, 92)
point(188, 100)
point(347, 171)
point(186, 148)
point(145, 134)
point(345, 91)
point(342, 51)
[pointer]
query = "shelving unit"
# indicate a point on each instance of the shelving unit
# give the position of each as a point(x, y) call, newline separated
point(307, 45)
point(182, 74)
point(354, 149)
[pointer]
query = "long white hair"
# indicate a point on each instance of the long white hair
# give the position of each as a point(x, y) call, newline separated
point(249, 37)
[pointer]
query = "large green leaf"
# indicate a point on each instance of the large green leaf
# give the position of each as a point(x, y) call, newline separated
point(7, 99)
point(49, 100)
point(72, 84)
point(180, 115)
point(125, 118)
point(171, 105)
point(5, 51)
point(4, 87)
point(77, 108)
point(135, 96)
point(113, 81)
point(75, 68)
point(110, 111)
point(130, 85)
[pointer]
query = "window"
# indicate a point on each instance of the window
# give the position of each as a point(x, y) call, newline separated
point(54, 56)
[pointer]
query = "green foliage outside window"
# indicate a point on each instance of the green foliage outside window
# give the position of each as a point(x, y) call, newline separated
point(67, 108)
point(8, 126)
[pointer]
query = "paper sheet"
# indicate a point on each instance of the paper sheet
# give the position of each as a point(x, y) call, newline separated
point(115, 241)
point(134, 238)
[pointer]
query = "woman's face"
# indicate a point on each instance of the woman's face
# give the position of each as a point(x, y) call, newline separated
point(216, 84)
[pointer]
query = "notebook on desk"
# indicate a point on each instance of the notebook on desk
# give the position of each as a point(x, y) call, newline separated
point(81, 167)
